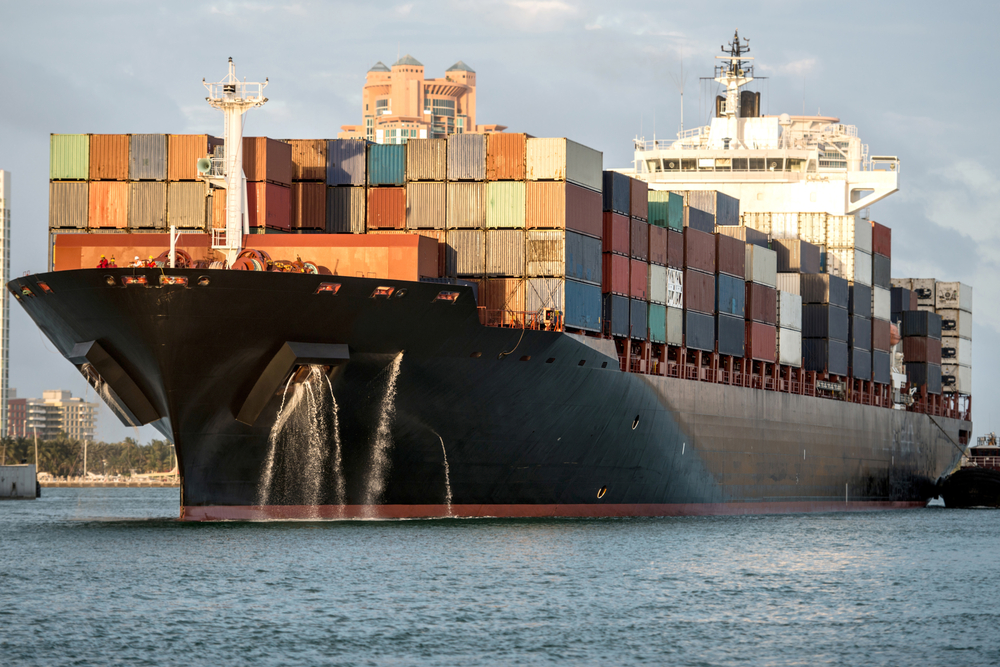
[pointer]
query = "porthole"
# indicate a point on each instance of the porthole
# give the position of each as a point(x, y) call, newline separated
point(601, 492)
point(582, 362)
point(604, 364)
point(476, 355)
point(526, 357)
point(110, 280)
point(635, 422)
point(203, 281)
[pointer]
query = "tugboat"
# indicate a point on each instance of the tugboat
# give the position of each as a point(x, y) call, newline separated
point(976, 483)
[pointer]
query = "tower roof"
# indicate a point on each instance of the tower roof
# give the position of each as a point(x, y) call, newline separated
point(408, 60)
point(379, 67)
point(460, 67)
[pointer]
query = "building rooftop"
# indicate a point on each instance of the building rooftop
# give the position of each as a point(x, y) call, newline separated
point(460, 67)
point(379, 67)
point(408, 60)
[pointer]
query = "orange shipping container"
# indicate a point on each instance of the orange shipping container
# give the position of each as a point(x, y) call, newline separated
point(505, 156)
point(308, 205)
point(108, 204)
point(183, 153)
point(269, 205)
point(387, 208)
point(218, 209)
point(503, 300)
point(267, 160)
point(308, 159)
point(109, 157)
point(561, 205)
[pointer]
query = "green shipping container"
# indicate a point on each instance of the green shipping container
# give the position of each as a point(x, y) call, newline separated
point(657, 323)
point(675, 212)
point(69, 157)
point(666, 209)
point(505, 204)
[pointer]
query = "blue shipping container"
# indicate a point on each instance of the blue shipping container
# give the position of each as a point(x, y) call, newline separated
point(657, 323)
point(638, 312)
point(881, 367)
point(700, 220)
point(730, 296)
point(860, 366)
point(616, 314)
point(583, 258)
point(346, 161)
point(699, 331)
point(583, 304)
point(731, 334)
point(617, 193)
point(387, 164)
point(819, 354)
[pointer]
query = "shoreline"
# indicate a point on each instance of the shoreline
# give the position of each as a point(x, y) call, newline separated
point(101, 484)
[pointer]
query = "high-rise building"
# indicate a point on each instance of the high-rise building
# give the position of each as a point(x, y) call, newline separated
point(4, 300)
point(56, 412)
point(399, 104)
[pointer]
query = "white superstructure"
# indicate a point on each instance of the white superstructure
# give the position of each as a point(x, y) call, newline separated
point(772, 164)
point(4, 300)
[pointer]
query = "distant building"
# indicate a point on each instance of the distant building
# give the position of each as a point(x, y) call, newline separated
point(399, 104)
point(56, 412)
point(4, 298)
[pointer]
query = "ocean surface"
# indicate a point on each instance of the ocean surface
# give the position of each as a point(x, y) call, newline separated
point(107, 576)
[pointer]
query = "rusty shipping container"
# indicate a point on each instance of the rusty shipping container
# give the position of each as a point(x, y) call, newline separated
point(503, 299)
point(761, 303)
point(109, 157)
point(218, 208)
point(561, 205)
point(761, 341)
point(426, 159)
point(557, 253)
point(147, 157)
point(467, 157)
point(266, 159)
point(147, 205)
point(615, 274)
point(922, 349)
point(657, 245)
point(466, 208)
point(617, 232)
point(699, 250)
point(675, 249)
point(639, 240)
point(699, 291)
point(505, 155)
point(308, 159)
point(386, 208)
point(108, 205)
point(68, 204)
point(269, 204)
point(564, 160)
point(346, 210)
point(730, 256)
point(505, 252)
point(425, 205)
point(638, 284)
point(639, 199)
point(183, 153)
point(466, 252)
point(309, 205)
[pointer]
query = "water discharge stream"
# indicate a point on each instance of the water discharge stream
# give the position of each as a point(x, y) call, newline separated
point(379, 467)
point(447, 473)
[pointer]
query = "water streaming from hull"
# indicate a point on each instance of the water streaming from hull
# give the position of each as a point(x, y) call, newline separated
point(447, 473)
point(379, 466)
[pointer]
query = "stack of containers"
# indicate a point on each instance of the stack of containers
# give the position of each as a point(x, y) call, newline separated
point(666, 211)
point(699, 289)
point(926, 291)
point(466, 206)
point(69, 171)
point(147, 175)
point(881, 313)
point(427, 192)
point(267, 164)
point(639, 267)
point(308, 184)
point(187, 205)
point(346, 177)
point(849, 248)
point(789, 336)
point(725, 210)
point(505, 242)
point(901, 298)
point(386, 186)
point(730, 294)
point(922, 349)
point(859, 333)
point(109, 189)
point(954, 306)
point(761, 303)
point(825, 325)
point(616, 247)
point(658, 272)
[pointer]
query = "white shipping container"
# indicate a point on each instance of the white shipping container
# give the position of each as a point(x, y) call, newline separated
point(759, 221)
point(956, 350)
point(761, 266)
point(789, 344)
point(956, 379)
point(850, 264)
point(657, 283)
point(675, 326)
point(545, 252)
point(848, 231)
point(812, 228)
point(675, 290)
point(789, 311)
point(789, 282)
point(905, 283)
point(881, 303)
point(505, 252)
point(954, 296)
point(956, 323)
point(785, 225)
point(925, 289)
point(564, 160)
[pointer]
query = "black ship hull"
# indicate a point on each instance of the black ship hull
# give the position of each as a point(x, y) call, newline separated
point(437, 415)
point(972, 487)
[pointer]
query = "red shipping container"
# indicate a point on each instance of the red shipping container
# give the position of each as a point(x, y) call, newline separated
point(881, 239)
point(761, 341)
point(922, 350)
point(730, 256)
point(762, 303)
point(699, 291)
point(639, 199)
point(615, 274)
point(699, 250)
point(675, 249)
point(638, 279)
point(267, 159)
point(309, 206)
point(270, 205)
point(639, 240)
point(657, 245)
point(387, 208)
point(617, 229)
point(880, 335)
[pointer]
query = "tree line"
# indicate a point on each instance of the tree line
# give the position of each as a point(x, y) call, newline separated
point(63, 457)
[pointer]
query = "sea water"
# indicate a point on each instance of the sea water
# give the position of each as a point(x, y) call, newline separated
point(107, 576)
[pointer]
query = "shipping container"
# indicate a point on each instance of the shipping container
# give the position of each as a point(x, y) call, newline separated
point(108, 205)
point(308, 159)
point(147, 157)
point(639, 240)
point(724, 208)
point(675, 249)
point(812, 227)
point(505, 155)
point(268, 160)
point(309, 205)
point(440, 236)
point(881, 271)
point(218, 206)
point(386, 208)
point(505, 252)
point(554, 252)
point(639, 199)
point(269, 204)
point(850, 264)
point(346, 210)
point(956, 350)
point(466, 252)
point(905, 283)
point(899, 299)
point(922, 323)
point(639, 325)
point(859, 300)
point(926, 292)
point(796, 256)
point(657, 289)
point(730, 256)
point(789, 347)
point(922, 349)
point(881, 303)
point(881, 335)
point(68, 205)
point(675, 288)
point(426, 159)
point(824, 321)
point(657, 245)
point(675, 326)
point(924, 375)
point(616, 314)
point(425, 205)
point(730, 334)
point(748, 235)
point(386, 164)
point(953, 296)
point(504, 300)
point(859, 332)
point(466, 206)
point(617, 230)
point(183, 153)
point(821, 354)
point(467, 157)
point(699, 250)
point(561, 205)
point(789, 311)
point(849, 231)
point(956, 379)
point(699, 331)
point(109, 157)
point(699, 291)
point(564, 160)
point(638, 279)
point(789, 282)
point(346, 162)
point(881, 239)
point(505, 205)
point(881, 367)
point(859, 364)
point(666, 209)
point(579, 303)
point(761, 266)
point(617, 193)
point(187, 205)
point(730, 296)
point(697, 219)
point(761, 341)
point(657, 322)
point(69, 157)
point(147, 205)
point(824, 288)
point(615, 274)
point(761, 303)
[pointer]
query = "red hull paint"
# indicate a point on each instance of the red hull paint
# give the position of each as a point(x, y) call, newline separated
point(315, 512)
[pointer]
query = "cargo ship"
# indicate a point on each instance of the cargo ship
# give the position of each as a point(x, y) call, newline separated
point(976, 482)
point(494, 325)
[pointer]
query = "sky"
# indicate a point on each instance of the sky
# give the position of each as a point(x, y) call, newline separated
point(908, 75)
